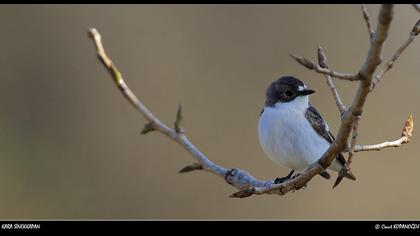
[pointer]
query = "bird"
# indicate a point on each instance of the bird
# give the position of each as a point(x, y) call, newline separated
point(291, 131)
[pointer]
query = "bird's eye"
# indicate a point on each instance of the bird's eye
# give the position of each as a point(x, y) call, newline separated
point(288, 93)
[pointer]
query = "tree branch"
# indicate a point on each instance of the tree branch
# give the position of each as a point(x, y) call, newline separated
point(239, 178)
point(236, 177)
point(313, 66)
point(367, 20)
point(414, 32)
point(322, 61)
point(365, 76)
point(417, 7)
point(406, 134)
point(380, 146)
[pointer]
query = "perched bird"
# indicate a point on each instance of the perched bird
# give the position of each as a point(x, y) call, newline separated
point(291, 131)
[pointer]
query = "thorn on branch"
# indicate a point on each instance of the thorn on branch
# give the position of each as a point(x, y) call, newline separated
point(194, 166)
point(340, 176)
point(147, 128)
point(243, 193)
point(178, 120)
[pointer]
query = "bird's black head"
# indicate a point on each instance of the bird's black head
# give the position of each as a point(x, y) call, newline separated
point(285, 89)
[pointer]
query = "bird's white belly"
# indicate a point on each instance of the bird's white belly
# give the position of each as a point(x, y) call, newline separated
point(288, 139)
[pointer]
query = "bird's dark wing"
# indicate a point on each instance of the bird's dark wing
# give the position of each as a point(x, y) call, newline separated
point(319, 125)
point(322, 129)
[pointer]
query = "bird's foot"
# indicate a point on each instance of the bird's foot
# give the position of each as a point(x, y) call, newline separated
point(281, 180)
point(284, 179)
point(296, 175)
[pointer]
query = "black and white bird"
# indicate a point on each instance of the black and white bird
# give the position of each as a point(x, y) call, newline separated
point(291, 131)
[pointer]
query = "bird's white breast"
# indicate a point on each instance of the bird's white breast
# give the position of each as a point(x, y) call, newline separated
point(287, 137)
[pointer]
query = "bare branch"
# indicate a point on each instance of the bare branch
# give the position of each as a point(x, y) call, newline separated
point(380, 146)
point(373, 58)
point(154, 123)
point(417, 7)
point(242, 179)
point(367, 19)
point(407, 132)
point(414, 32)
point(365, 76)
point(322, 61)
point(405, 138)
point(313, 66)
point(236, 177)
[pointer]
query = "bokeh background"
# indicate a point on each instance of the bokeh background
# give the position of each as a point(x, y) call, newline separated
point(70, 144)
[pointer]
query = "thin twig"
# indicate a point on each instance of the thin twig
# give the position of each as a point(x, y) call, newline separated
point(414, 32)
point(417, 7)
point(406, 134)
point(322, 61)
point(380, 146)
point(367, 20)
point(241, 179)
point(314, 66)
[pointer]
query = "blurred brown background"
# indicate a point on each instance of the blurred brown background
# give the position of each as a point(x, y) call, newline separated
point(70, 144)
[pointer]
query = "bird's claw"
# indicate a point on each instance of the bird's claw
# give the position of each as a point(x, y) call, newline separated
point(296, 175)
point(283, 179)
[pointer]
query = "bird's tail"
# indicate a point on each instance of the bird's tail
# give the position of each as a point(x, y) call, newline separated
point(344, 173)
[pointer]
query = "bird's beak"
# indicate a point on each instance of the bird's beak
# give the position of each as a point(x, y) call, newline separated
point(306, 92)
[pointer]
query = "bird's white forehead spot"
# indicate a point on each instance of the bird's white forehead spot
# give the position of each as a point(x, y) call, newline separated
point(301, 88)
